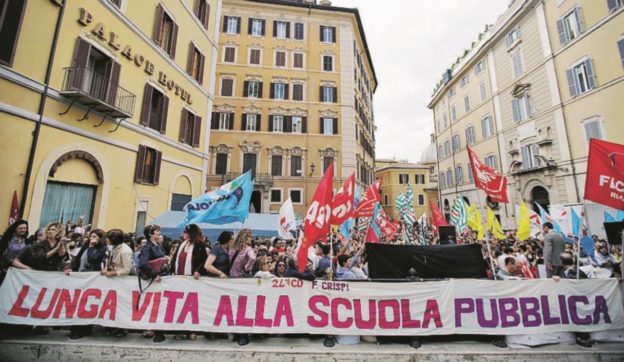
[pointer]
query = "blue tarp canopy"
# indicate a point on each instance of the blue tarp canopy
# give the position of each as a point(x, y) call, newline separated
point(263, 225)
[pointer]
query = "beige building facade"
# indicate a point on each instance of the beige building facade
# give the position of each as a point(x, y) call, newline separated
point(294, 93)
point(535, 87)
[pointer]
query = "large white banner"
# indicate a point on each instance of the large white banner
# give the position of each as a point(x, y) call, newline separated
point(461, 306)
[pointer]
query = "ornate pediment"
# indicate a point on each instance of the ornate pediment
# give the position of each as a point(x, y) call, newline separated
point(247, 147)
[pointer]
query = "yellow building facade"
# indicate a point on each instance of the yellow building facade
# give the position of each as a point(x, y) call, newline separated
point(294, 92)
point(527, 97)
point(104, 107)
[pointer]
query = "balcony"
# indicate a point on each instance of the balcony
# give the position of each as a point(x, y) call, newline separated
point(97, 92)
point(260, 179)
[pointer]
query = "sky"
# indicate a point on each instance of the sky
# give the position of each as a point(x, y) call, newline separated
point(412, 42)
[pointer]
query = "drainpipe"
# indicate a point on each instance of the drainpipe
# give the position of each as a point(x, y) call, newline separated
point(42, 103)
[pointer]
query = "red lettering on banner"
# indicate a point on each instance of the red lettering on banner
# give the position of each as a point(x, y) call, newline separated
point(241, 308)
point(432, 312)
point(283, 310)
point(323, 319)
point(384, 323)
point(43, 314)
point(336, 322)
point(109, 305)
point(17, 309)
point(224, 310)
point(85, 313)
point(372, 314)
point(172, 299)
point(408, 322)
point(155, 308)
point(137, 314)
point(260, 320)
point(191, 305)
point(67, 302)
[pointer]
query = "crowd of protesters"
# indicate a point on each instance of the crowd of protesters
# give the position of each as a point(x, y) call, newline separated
point(77, 248)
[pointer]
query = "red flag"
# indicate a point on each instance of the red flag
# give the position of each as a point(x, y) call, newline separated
point(438, 218)
point(487, 179)
point(366, 207)
point(386, 226)
point(14, 215)
point(604, 183)
point(342, 205)
point(316, 223)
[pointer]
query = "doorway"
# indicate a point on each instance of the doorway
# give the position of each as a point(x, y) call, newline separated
point(539, 195)
point(255, 206)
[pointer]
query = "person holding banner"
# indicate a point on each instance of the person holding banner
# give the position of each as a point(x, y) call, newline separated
point(13, 241)
point(45, 255)
point(218, 262)
point(242, 255)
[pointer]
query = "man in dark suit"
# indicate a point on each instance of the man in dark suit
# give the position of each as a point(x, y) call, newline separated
point(553, 246)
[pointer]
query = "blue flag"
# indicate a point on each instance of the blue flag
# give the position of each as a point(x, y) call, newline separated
point(357, 196)
point(345, 228)
point(619, 216)
point(229, 203)
point(587, 243)
point(576, 224)
point(608, 217)
point(547, 218)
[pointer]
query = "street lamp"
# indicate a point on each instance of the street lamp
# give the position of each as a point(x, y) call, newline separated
point(312, 167)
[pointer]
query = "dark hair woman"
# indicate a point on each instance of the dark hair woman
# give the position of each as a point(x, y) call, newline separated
point(189, 259)
point(218, 262)
point(13, 241)
point(46, 255)
point(120, 258)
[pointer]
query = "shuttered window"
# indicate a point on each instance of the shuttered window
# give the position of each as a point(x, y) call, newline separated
point(11, 16)
point(190, 128)
point(165, 31)
point(593, 129)
point(298, 60)
point(299, 31)
point(295, 167)
point(256, 27)
point(231, 24)
point(403, 178)
point(147, 170)
point(456, 143)
point(328, 63)
point(521, 108)
point(328, 34)
point(297, 92)
point(252, 89)
point(202, 11)
point(195, 64)
point(614, 4)
point(281, 29)
point(570, 26)
point(328, 94)
point(229, 55)
point(621, 49)
point(280, 59)
point(254, 56)
point(517, 64)
point(486, 126)
point(221, 164)
point(470, 136)
point(276, 165)
point(154, 109)
point(227, 87)
point(581, 78)
point(459, 175)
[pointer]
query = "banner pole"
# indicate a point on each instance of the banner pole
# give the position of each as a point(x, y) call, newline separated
point(331, 253)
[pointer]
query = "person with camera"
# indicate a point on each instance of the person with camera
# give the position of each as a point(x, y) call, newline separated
point(153, 263)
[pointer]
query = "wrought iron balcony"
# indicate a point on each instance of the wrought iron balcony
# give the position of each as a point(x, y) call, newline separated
point(98, 92)
point(259, 178)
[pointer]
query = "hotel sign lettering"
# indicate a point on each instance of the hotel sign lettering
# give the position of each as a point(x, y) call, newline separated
point(112, 40)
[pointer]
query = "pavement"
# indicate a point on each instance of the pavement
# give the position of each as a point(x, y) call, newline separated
point(56, 346)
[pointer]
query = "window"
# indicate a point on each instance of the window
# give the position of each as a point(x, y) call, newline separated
point(147, 170)
point(295, 196)
point(276, 195)
point(281, 29)
point(479, 68)
point(202, 11)
point(449, 178)
point(328, 94)
point(581, 78)
point(419, 179)
point(513, 36)
point(280, 59)
point(116, 2)
point(297, 124)
point(225, 121)
point(451, 93)
point(403, 178)
point(279, 91)
point(295, 167)
point(459, 175)
point(528, 156)
point(326, 162)
point(221, 164)
point(470, 136)
point(252, 89)
point(190, 128)
point(483, 90)
point(297, 92)
point(328, 63)
point(421, 199)
point(442, 180)
point(298, 60)
point(165, 31)
point(251, 122)
point(517, 64)
point(467, 103)
point(254, 56)
point(447, 148)
point(229, 55)
point(276, 165)
point(456, 143)
point(195, 64)
point(227, 87)
point(490, 161)
point(593, 129)
point(621, 49)
point(470, 175)
point(440, 153)
point(256, 27)
point(521, 108)
point(278, 124)
point(178, 201)
point(299, 31)
point(154, 109)
point(453, 113)
point(463, 81)
point(328, 125)
point(614, 4)
point(486, 127)
point(231, 24)
point(328, 34)
point(11, 14)
point(445, 118)
point(570, 26)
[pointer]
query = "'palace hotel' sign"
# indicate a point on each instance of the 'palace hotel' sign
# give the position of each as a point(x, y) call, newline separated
point(139, 60)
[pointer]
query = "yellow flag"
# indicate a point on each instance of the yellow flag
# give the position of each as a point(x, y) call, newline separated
point(474, 221)
point(524, 223)
point(493, 225)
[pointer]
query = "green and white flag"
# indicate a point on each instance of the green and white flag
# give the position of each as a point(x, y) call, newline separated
point(459, 216)
point(409, 195)
point(401, 203)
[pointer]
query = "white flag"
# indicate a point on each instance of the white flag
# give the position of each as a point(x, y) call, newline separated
point(286, 221)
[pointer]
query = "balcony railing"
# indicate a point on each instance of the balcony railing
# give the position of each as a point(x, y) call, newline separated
point(259, 178)
point(96, 91)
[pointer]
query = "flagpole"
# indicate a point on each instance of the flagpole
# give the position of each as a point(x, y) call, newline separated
point(331, 253)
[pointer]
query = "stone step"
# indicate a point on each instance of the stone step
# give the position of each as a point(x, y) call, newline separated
point(56, 346)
